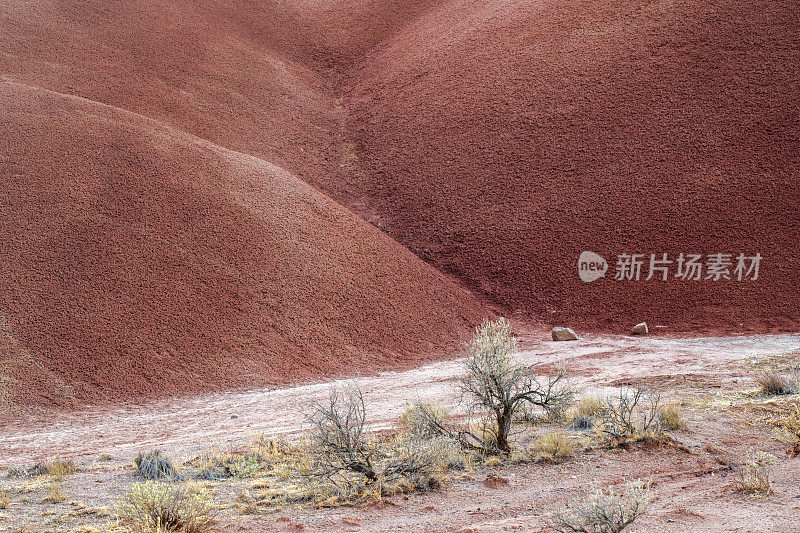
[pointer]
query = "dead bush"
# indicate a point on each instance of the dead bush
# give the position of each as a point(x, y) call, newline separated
point(631, 414)
point(605, 512)
point(346, 458)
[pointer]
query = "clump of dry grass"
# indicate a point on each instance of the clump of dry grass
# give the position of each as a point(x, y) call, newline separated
point(772, 383)
point(60, 469)
point(591, 406)
point(88, 529)
point(227, 465)
point(5, 499)
point(587, 411)
point(152, 507)
point(55, 493)
point(788, 431)
point(553, 447)
point(754, 473)
point(103, 457)
point(670, 416)
point(154, 465)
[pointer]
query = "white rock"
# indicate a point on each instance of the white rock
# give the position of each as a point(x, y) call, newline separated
point(564, 334)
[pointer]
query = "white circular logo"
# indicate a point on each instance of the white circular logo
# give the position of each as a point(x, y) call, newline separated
point(591, 266)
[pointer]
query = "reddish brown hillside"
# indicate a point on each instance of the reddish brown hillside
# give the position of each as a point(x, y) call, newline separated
point(499, 140)
point(160, 229)
point(139, 260)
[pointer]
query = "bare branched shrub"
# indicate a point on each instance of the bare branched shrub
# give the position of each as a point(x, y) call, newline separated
point(338, 434)
point(156, 507)
point(754, 473)
point(498, 385)
point(606, 512)
point(154, 465)
point(773, 384)
point(346, 457)
point(631, 414)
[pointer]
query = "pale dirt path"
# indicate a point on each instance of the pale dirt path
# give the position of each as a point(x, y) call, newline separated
point(189, 424)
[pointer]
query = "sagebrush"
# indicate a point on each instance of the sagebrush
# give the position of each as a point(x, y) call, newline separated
point(606, 511)
point(153, 507)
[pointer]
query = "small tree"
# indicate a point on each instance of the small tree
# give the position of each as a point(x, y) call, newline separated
point(499, 385)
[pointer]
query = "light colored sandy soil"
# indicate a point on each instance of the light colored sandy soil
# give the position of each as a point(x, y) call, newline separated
point(191, 423)
point(712, 376)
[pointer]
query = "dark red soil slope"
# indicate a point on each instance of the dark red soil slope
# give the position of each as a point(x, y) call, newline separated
point(498, 140)
point(140, 260)
point(168, 168)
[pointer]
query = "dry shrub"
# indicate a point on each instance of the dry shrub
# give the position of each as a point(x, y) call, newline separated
point(788, 431)
point(553, 446)
point(606, 512)
point(153, 465)
point(773, 384)
point(498, 386)
point(346, 458)
point(152, 507)
point(670, 416)
point(754, 473)
point(424, 420)
point(631, 415)
point(5, 499)
point(55, 493)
